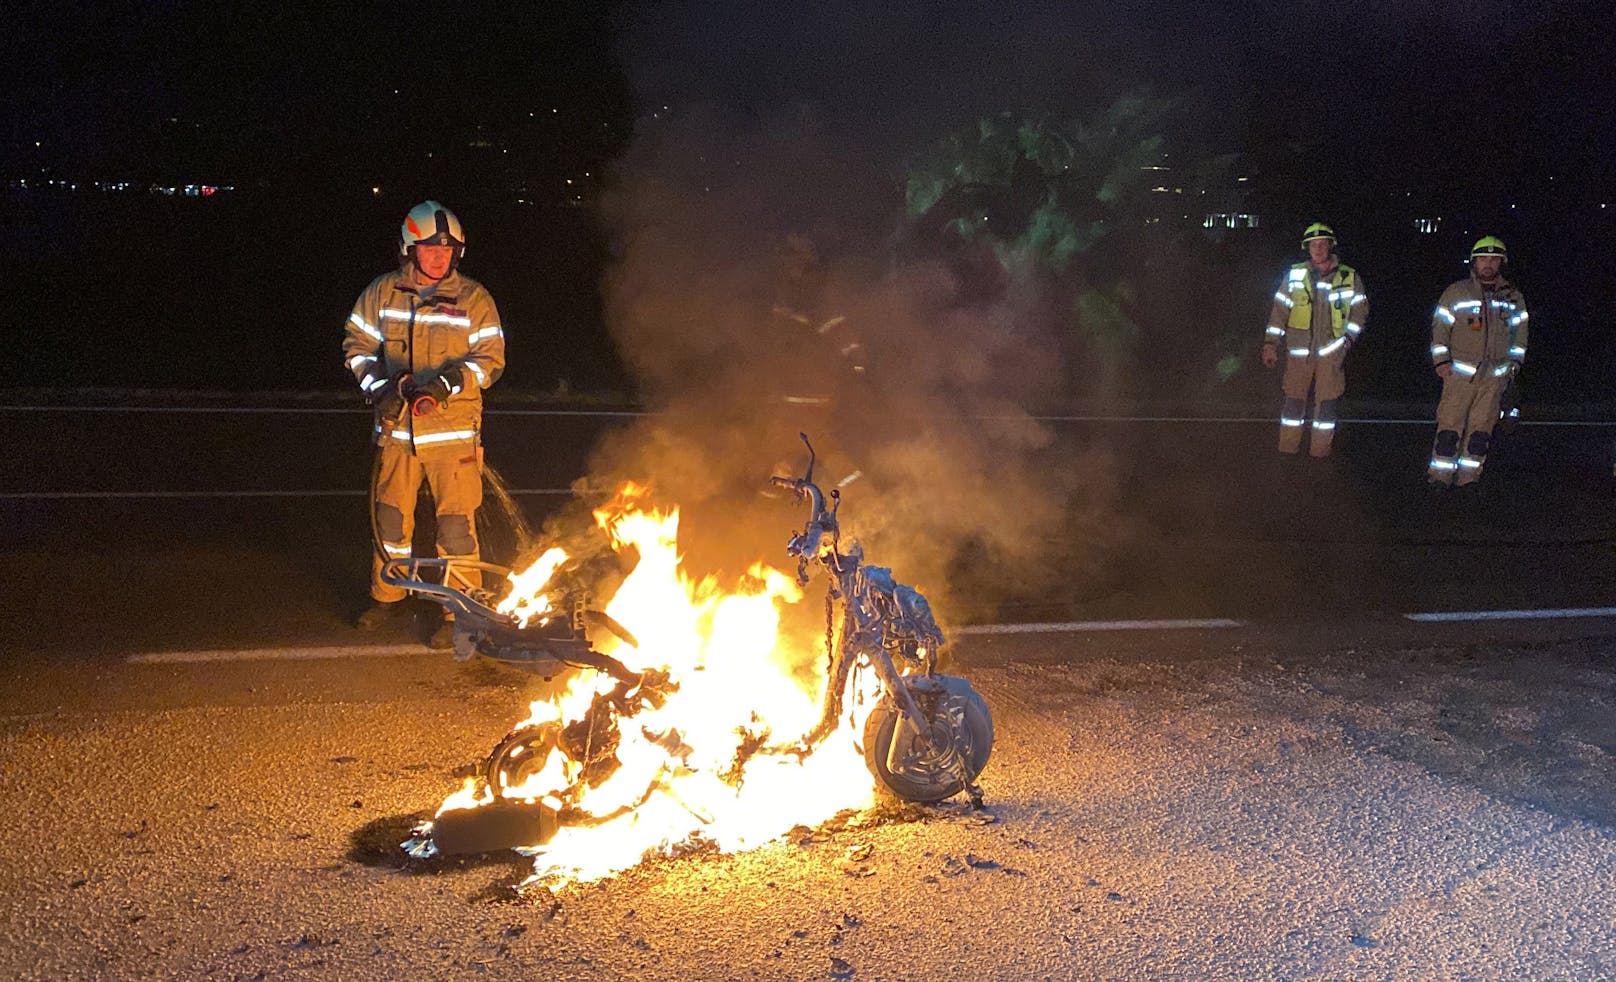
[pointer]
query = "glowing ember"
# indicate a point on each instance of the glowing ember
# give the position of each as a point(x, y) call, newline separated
point(704, 766)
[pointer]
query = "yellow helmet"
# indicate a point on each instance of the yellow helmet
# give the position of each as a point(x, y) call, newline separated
point(1318, 230)
point(1489, 245)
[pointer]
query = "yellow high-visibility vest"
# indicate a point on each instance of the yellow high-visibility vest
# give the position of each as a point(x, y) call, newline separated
point(1339, 289)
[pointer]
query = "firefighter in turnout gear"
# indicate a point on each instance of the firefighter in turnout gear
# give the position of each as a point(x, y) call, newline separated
point(1478, 343)
point(1318, 313)
point(423, 342)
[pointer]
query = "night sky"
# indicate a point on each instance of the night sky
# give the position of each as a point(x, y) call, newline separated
point(1389, 90)
point(1377, 112)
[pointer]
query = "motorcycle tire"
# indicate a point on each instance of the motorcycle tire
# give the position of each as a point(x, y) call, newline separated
point(519, 756)
point(935, 777)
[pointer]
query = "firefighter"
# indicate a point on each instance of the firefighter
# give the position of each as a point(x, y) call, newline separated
point(424, 342)
point(1478, 344)
point(1318, 313)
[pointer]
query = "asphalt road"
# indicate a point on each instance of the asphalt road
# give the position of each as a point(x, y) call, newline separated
point(1322, 789)
point(1160, 805)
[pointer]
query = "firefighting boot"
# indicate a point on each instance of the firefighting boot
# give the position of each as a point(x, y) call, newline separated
point(377, 615)
point(442, 638)
point(1319, 444)
point(1290, 437)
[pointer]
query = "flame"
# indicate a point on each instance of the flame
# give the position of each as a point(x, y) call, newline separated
point(687, 776)
point(526, 600)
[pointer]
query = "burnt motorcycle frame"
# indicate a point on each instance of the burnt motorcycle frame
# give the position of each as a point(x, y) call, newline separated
point(926, 739)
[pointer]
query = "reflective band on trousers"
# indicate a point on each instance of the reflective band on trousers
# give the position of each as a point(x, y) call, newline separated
point(1324, 424)
point(393, 550)
point(1291, 422)
point(1469, 463)
point(445, 437)
point(1516, 351)
point(1437, 464)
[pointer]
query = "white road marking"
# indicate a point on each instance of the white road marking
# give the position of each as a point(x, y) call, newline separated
point(1511, 615)
point(281, 654)
point(1074, 627)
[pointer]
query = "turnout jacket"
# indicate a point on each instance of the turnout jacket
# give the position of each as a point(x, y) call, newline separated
point(393, 330)
point(1302, 301)
point(1479, 329)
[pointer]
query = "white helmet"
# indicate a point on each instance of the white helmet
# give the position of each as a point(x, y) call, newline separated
point(430, 223)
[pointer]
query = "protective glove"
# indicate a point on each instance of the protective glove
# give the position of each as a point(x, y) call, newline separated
point(425, 399)
point(389, 397)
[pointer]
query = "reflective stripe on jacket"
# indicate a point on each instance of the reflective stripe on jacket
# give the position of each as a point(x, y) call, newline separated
point(392, 330)
point(1479, 329)
point(1290, 319)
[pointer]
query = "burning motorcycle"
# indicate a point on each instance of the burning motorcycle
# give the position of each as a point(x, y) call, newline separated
point(926, 738)
point(929, 735)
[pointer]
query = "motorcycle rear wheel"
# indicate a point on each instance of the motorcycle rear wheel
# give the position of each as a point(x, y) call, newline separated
point(519, 756)
point(934, 773)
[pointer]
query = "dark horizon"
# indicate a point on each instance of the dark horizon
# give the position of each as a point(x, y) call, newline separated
point(534, 124)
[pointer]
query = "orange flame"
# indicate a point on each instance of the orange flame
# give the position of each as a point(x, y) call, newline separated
point(736, 679)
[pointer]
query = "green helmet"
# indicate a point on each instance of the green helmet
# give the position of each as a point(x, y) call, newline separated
point(1318, 230)
point(1489, 245)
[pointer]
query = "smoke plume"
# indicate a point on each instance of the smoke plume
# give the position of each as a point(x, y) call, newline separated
point(764, 289)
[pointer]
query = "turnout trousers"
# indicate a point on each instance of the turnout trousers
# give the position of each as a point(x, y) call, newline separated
point(456, 481)
point(1465, 417)
point(1322, 379)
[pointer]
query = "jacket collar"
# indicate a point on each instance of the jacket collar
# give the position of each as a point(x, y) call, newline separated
point(448, 288)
